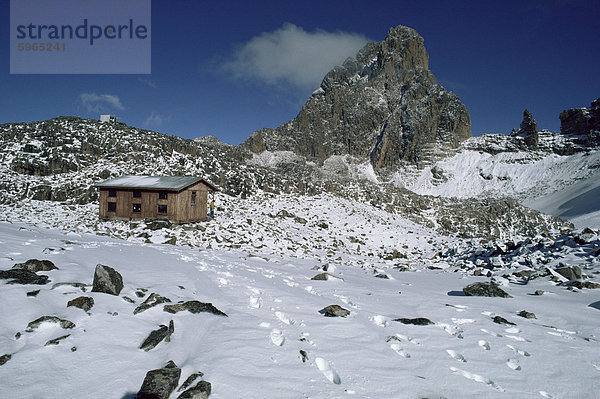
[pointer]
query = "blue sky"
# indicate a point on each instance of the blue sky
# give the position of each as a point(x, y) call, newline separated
point(229, 68)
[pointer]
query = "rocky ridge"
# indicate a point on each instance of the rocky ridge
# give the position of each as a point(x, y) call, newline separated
point(382, 106)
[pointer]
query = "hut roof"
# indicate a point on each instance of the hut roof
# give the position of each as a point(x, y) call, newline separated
point(169, 183)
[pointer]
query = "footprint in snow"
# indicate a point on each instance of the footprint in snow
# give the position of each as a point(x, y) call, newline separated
point(453, 330)
point(277, 337)
point(457, 356)
point(404, 338)
point(519, 351)
point(255, 302)
point(477, 377)
point(484, 344)
point(283, 318)
point(398, 349)
point(493, 334)
point(547, 395)
point(458, 308)
point(513, 364)
point(327, 370)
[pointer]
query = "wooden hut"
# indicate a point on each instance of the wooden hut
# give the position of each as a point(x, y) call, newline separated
point(180, 199)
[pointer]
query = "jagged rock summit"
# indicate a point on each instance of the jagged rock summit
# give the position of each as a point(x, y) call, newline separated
point(382, 106)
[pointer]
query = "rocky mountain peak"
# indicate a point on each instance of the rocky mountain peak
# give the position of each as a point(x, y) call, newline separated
point(528, 130)
point(382, 106)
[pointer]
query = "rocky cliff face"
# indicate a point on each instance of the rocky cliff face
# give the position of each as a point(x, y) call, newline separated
point(582, 121)
point(382, 105)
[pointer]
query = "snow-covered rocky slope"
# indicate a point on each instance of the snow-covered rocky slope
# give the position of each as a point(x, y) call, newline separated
point(256, 265)
point(560, 178)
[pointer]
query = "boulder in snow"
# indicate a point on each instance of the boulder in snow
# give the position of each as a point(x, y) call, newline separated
point(490, 289)
point(159, 383)
point(22, 276)
point(200, 391)
point(157, 336)
point(570, 272)
point(194, 307)
point(107, 280)
point(82, 302)
point(334, 311)
point(35, 265)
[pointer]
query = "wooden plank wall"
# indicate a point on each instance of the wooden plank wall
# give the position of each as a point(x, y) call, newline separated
point(179, 207)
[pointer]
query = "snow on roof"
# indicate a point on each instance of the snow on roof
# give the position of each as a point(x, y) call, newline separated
point(153, 182)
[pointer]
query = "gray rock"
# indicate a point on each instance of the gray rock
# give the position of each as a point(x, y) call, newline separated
point(200, 391)
point(334, 311)
point(194, 307)
point(188, 381)
point(539, 292)
point(33, 293)
point(502, 320)
point(485, 289)
point(107, 280)
point(81, 286)
point(325, 276)
point(585, 284)
point(419, 321)
point(157, 224)
point(5, 358)
point(35, 265)
point(152, 300)
point(56, 341)
point(570, 272)
point(51, 319)
point(586, 236)
point(159, 383)
point(157, 336)
point(527, 315)
point(22, 276)
point(82, 302)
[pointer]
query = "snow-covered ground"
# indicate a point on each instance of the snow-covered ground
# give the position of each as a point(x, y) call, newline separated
point(255, 263)
point(560, 185)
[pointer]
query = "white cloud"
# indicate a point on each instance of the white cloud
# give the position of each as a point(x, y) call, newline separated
point(292, 55)
point(155, 120)
point(100, 102)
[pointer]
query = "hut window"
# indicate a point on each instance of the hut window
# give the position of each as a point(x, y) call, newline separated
point(162, 195)
point(137, 194)
point(137, 208)
point(162, 209)
point(193, 198)
point(112, 206)
point(112, 193)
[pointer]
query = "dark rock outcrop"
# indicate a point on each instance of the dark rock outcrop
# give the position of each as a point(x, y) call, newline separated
point(35, 265)
point(22, 276)
point(334, 311)
point(582, 121)
point(157, 336)
point(160, 383)
point(502, 320)
point(419, 321)
point(188, 381)
point(194, 307)
point(5, 358)
point(82, 302)
point(382, 106)
point(50, 319)
point(152, 300)
point(527, 315)
point(528, 130)
point(570, 272)
point(200, 391)
point(107, 280)
point(485, 289)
